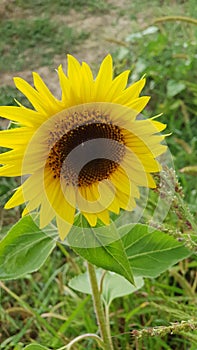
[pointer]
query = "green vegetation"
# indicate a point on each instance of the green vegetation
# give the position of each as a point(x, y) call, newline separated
point(35, 42)
point(64, 6)
point(166, 54)
point(42, 307)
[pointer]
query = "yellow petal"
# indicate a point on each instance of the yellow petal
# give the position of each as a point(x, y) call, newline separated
point(104, 78)
point(120, 180)
point(53, 104)
point(87, 200)
point(131, 93)
point(91, 218)
point(123, 183)
point(33, 96)
point(22, 115)
point(63, 227)
point(57, 198)
point(107, 193)
point(15, 137)
point(104, 217)
point(126, 202)
point(65, 86)
point(121, 116)
point(33, 186)
point(139, 104)
point(32, 205)
point(141, 128)
point(10, 170)
point(12, 157)
point(141, 178)
point(158, 126)
point(87, 94)
point(141, 163)
point(117, 86)
point(46, 212)
point(16, 199)
point(74, 73)
point(114, 206)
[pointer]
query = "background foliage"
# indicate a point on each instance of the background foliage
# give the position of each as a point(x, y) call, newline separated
point(42, 306)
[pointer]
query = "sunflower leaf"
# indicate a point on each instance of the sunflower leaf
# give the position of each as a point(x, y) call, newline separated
point(24, 249)
point(149, 252)
point(110, 257)
point(113, 285)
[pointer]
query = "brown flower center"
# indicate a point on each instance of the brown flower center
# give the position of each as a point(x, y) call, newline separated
point(87, 154)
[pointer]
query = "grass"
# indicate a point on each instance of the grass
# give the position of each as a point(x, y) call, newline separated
point(35, 42)
point(41, 306)
point(46, 294)
point(64, 6)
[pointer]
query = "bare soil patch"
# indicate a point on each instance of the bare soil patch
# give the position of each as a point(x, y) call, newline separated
point(104, 28)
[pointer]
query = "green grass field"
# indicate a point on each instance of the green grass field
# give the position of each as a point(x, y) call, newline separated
point(42, 307)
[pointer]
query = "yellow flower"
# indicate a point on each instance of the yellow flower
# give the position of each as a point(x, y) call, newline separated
point(86, 152)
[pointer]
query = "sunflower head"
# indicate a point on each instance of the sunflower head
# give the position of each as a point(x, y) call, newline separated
point(87, 153)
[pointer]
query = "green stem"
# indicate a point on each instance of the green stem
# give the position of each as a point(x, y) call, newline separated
point(176, 18)
point(107, 321)
point(98, 307)
point(81, 337)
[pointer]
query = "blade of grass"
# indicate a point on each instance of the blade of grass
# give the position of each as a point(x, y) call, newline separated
point(42, 321)
point(67, 323)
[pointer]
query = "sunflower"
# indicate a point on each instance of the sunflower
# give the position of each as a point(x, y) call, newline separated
point(87, 152)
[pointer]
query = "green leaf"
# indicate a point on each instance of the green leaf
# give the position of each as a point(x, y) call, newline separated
point(151, 251)
point(35, 347)
point(113, 285)
point(24, 249)
point(116, 286)
point(111, 256)
point(174, 87)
